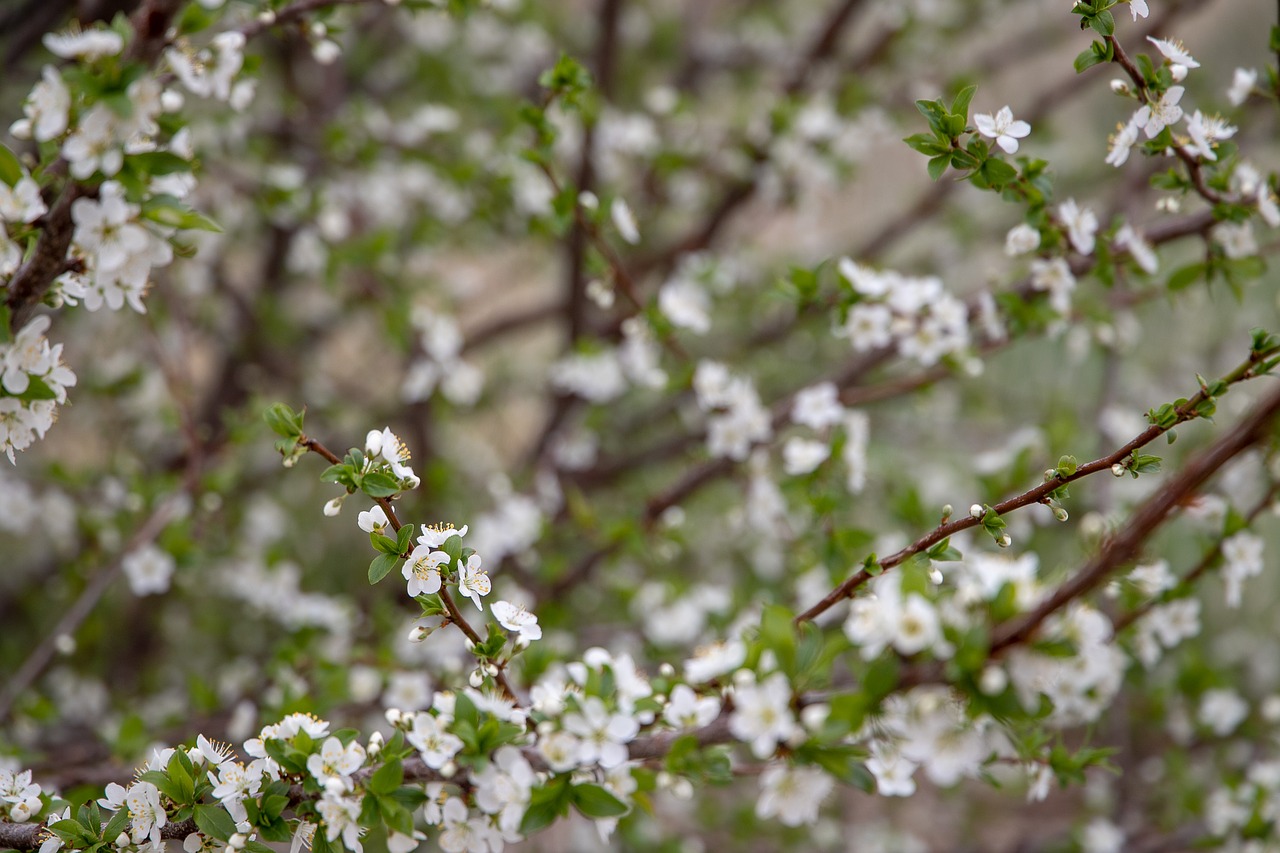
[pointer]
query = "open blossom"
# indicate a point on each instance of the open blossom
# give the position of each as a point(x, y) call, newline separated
point(1128, 239)
point(1242, 556)
point(94, 145)
point(1156, 116)
point(762, 715)
point(505, 787)
point(87, 45)
point(45, 112)
point(713, 661)
point(817, 406)
point(803, 455)
point(433, 740)
point(374, 520)
point(686, 710)
point(334, 759)
point(1022, 238)
point(19, 794)
point(209, 73)
point(148, 570)
point(146, 814)
point(341, 818)
point(1242, 83)
point(1081, 224)
point(1120, 142)
point(22, 201)
point(422, 570)
point(474, 582)
point(1174, 51)
point(1003, 128)
point(386, 445)
point(792, 794)
point(624, 220)
point(893, 772)
point(106, 229)
point(685, 303)
point(435, 535)
point(517, 619)
point(1138, 8)
point(1207, 131)
point(604, 735)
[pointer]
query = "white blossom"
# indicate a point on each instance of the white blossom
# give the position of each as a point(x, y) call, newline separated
point(1003, 128)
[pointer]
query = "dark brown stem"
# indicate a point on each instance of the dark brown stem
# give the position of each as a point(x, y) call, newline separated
point(1035, 495)
point(1125, 544)
point(1207, 562)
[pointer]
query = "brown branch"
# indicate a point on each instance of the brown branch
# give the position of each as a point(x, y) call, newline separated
point(1206, 562)
point(1038, 494)
point(1125, 544)
point(71, 620)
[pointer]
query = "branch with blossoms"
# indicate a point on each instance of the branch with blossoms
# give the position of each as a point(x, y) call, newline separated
point(1125, 460)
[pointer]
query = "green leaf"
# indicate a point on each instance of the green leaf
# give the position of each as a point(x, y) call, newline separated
point(168, 210)
point(382, 566)
point(942, 552)
point(998, 172)
point(404, 537)
point(546, 804)
point(1104, 23)
point(283, 420)
point(160, 163)
point(385, 544)
point(10, 167)
point(927, 144)
point(214, 821)
point(37, 389)
point(181, 777)
point(340, 474)
point(960, 106)
point(938, 165)
point(118, 823)
point(386, 779)
point(378, 484)
point(595, 802)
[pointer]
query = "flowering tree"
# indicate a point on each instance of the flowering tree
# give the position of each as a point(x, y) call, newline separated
point(735, 496)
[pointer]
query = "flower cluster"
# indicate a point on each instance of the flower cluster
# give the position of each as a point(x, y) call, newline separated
point(916, 315)
point(440, 364)
point(736, 419)
point(34, 382)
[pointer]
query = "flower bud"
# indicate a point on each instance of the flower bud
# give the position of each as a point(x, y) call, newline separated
point(976, 511)
point(947, 510)
point(122, 840)
point(993, 680)
point(935, 576)
point(1120, 87)
point(333, 507)
point(1004, 541)
point(1117, 470)
point(449, 769)
point(477, 679)
point(1060, 513)
point(1178, 72)
point(237, 841)
point(394, 716)
point(375, 744)
point(589, 200)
